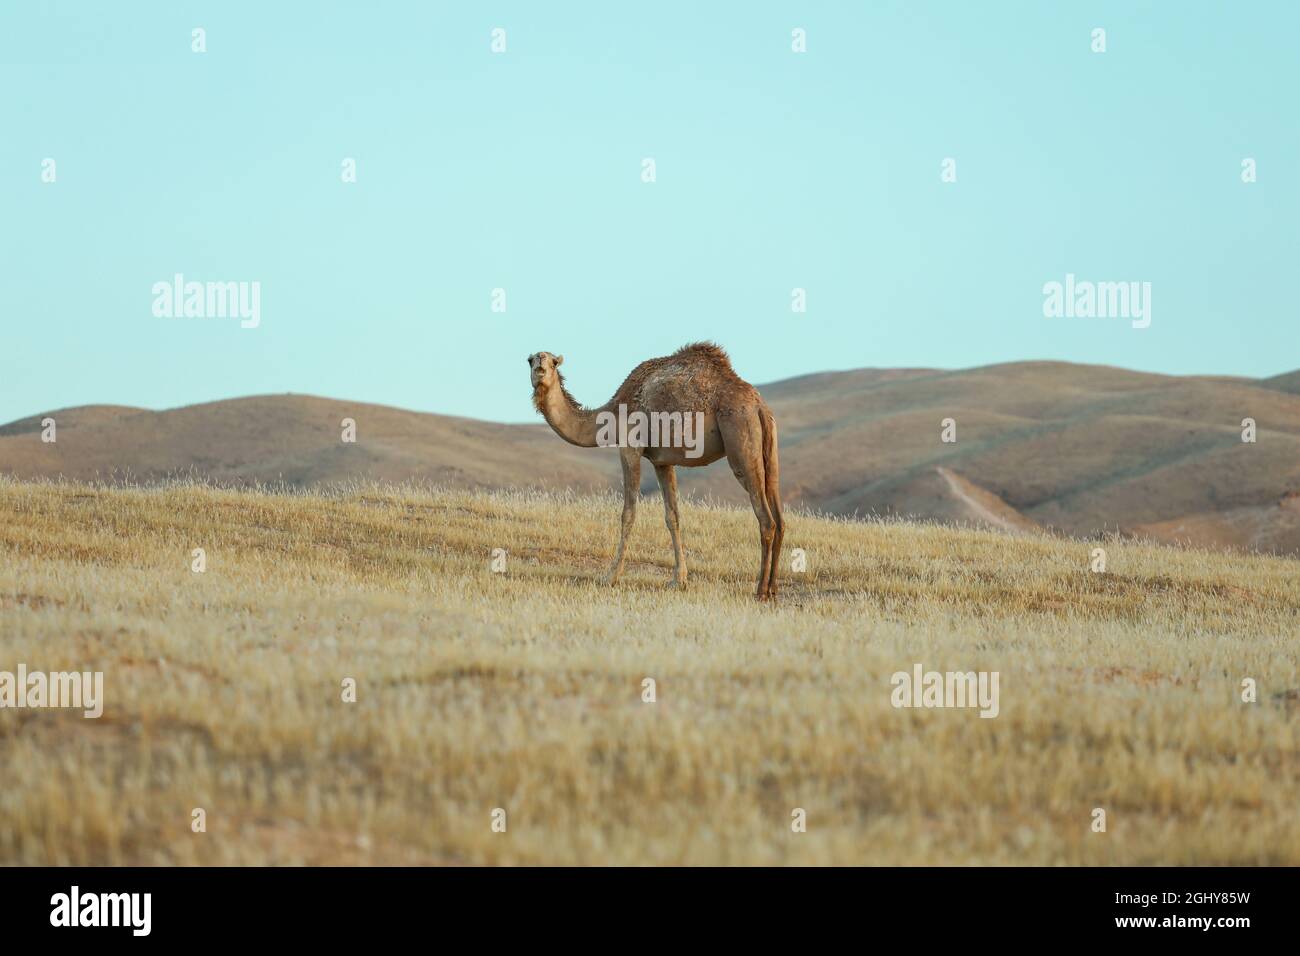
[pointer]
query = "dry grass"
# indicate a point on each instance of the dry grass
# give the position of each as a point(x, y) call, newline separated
point(523, 690)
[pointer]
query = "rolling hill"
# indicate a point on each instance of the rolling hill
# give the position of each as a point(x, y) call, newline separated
point(294, 440)
point(1084, 450)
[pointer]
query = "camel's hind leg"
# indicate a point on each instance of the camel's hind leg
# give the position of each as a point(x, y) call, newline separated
point(668, 485)
point(772, 488)
point(742, 436)
point(631, 459)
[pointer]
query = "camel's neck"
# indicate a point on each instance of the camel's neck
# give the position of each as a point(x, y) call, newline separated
point(572, 422)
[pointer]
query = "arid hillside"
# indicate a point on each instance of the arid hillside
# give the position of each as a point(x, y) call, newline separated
point(1083, 450)
point(296, 441)
point(1080, 449)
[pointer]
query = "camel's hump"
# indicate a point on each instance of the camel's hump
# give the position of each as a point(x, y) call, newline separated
point(709, 351)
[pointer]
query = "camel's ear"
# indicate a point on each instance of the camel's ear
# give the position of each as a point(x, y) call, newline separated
point(559, 360)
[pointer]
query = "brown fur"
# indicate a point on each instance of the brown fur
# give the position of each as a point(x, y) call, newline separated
point(737, 424)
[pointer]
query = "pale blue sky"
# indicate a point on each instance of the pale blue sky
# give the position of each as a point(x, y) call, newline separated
point(522, 171)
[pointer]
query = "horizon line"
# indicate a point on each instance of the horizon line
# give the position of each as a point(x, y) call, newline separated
point(760, 386)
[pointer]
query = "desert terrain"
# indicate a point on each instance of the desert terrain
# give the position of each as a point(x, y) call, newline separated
point(524, 691)
point(1073, 449)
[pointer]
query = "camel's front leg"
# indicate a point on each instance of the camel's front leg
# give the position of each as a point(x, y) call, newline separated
point(631, 458)
point(668, 485)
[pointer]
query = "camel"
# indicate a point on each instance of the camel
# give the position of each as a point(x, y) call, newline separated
point(697, 385)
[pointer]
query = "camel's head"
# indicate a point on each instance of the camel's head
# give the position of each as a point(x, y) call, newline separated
point(544, 368)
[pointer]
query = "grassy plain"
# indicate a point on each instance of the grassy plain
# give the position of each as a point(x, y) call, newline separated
point(523, 690)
